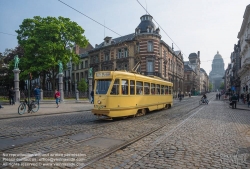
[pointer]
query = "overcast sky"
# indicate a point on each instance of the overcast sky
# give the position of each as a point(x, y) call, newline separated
point(207, 26)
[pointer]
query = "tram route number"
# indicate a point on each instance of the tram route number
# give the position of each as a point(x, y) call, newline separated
point(102, 74)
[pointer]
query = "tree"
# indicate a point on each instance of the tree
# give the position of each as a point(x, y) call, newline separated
point(46, 41)
point(222, 85)
point(82, 85)
point(7, 66)
point(210, 86)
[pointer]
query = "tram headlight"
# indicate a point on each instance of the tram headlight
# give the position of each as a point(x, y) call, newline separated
point(99, 101)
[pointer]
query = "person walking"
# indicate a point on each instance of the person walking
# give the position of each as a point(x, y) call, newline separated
point(11, 96)
point(219, 96)
point(57, 97)
point(37, 94)
point(234, 101)
point(92, 97)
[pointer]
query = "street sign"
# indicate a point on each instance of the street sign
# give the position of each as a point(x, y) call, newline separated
point(233, 88)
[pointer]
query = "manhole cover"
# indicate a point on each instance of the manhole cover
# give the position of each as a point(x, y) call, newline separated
point(80, 136)
point(103, 142)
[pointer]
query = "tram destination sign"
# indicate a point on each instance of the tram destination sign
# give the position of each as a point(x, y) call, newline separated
point(102, 74)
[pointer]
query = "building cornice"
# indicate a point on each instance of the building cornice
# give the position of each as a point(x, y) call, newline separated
point(244, 22)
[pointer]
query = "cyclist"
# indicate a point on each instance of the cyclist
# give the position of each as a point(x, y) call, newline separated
point(204, 98)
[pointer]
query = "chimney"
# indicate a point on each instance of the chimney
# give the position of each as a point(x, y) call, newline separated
point(172, 46)
point(198, 54)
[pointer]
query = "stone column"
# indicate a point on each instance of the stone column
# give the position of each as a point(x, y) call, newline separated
point(16, 82)
point(60, 75)
point(90, 87)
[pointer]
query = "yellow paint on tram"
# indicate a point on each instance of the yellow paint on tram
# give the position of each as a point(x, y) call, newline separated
point(121, 93)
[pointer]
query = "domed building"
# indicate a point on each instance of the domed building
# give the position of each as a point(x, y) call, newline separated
point(217, 73)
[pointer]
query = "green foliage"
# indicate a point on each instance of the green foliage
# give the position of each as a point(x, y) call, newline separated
point(47, 40)
point(222, 85)
point(210, 86)
point(82, 85)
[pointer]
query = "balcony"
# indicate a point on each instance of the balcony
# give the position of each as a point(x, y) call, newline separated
point(248, 39)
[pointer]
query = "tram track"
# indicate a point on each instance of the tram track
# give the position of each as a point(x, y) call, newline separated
point(129, 142)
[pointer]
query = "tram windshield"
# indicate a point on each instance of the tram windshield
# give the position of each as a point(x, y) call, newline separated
point(102, 86)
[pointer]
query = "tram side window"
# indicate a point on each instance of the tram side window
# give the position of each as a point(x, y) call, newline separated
point(139, 88)
point(152, 89)
point(124, 87)
point(157, 89)
point(115, 88)
point(132, 87)
point(162, 90)
point(170, 89)
point(166, 89)
point(146, 88)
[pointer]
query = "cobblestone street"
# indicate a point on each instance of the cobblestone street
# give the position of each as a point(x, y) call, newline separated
point(214, 136)
point(188, 135)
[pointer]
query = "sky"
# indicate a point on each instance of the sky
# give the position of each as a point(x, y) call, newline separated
point(207, 26)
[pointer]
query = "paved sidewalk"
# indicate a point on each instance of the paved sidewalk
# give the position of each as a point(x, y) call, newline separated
point(47, 107)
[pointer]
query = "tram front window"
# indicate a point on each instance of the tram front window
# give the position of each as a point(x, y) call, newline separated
point(102, 86)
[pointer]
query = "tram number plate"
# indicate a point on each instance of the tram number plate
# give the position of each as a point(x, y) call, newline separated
point(102, 74)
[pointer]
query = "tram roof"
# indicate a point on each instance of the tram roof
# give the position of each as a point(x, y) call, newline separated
point(136, 75)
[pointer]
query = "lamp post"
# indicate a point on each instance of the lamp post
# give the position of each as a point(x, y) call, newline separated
point(76, 91)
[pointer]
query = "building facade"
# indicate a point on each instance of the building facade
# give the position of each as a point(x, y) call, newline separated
point(192, 74)
point(144, 46)
point(244, 38)
point(217, 73)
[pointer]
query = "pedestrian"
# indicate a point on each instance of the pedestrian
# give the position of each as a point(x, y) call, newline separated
point(92, 97)
point(37, 94)
point(219, 96)
point(234, 101)
point(247, 97)
point(57, 97)
point(11, 96)
point(189, 94)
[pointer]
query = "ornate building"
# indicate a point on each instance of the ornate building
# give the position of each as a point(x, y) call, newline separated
point(244, 38)
point(217, 73)
point(145, 46)
point(192, 74)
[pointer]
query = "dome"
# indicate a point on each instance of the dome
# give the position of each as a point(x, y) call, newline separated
point(146, 22)
point(193, 55)
point(217, 56)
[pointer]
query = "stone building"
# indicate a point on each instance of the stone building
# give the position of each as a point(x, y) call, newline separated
point(145, 46)
point(192, 74)
point(204, 81)
point(217, 73)
point(244, 38)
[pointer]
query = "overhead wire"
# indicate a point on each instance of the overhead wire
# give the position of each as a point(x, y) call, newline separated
point(89, 17)
point(7, 34)
point(160, 27)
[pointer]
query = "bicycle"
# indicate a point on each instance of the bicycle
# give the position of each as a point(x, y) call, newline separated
point(33, 106)
point(203, 101)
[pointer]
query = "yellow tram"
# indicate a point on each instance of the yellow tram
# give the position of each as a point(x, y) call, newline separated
point(121, 93)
